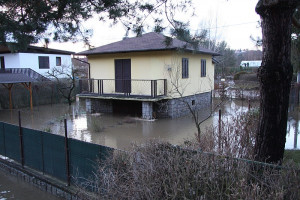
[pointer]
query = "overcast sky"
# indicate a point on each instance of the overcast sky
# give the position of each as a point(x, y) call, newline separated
point(233, 21)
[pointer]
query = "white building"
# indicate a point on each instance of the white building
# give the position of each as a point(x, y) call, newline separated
point(38, 59)
point(251, 64)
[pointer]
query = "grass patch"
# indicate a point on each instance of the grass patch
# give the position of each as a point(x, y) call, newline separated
point(292, 155)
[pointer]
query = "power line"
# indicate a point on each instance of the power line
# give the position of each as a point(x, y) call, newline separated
point(225, 26)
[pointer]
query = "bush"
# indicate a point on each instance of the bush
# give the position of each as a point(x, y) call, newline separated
point(237, 75)
point(159, 170)
point(233, 136)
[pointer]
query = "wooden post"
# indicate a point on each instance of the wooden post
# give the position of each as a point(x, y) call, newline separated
point(9, 87)
point(67, 153)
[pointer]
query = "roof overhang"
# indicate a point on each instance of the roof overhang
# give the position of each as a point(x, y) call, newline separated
point(34, 49)
point(149, 50)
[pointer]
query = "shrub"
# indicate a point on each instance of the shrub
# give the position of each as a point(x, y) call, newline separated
point(233, 136)
point(159, 170)
point(237, 75)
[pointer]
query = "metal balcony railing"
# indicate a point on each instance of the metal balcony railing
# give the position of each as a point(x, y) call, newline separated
point(131, 87)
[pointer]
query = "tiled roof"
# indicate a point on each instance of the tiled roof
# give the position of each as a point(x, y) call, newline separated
point(147, 42)
point(35, 49)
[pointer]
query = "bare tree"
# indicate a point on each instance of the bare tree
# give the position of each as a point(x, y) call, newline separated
point(179, 89)
point(64, 76)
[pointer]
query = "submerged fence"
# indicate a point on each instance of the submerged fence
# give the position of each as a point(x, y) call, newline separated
point(69, 160)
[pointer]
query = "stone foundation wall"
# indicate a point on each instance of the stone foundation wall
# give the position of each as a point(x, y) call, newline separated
point(175, 108)
point(99, 105)
point(172, 108)
point(147, 110)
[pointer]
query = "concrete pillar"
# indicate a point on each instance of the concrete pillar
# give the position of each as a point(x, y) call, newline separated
point(88, 105)
point(147, 110)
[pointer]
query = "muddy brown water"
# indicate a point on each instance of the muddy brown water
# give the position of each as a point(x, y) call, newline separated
point(14, 188)
point(117, 131)
point(120, 131)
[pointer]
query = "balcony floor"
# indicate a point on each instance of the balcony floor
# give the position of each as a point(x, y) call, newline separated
point(122, 97)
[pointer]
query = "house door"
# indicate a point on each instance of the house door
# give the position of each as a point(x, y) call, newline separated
point(123, 75)
point(2, 64)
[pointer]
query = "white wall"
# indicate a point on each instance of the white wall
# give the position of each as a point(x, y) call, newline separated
point(31, 60)
point(11, 60)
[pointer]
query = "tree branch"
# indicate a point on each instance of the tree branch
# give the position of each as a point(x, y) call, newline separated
point(295, 22)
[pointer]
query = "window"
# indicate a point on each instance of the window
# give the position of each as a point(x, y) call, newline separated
point(44, 62)
point(2, 63)
point(193, 102)
point(58, 61)
point(185, 68)
point(203, 67)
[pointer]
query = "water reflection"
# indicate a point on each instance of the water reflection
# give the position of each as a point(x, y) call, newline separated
point(119, 131)
point(12, 187)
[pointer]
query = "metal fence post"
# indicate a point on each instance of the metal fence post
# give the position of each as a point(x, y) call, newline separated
point(67, 153)
point(80, 86)
point(21, 140)
point(249, 104)
point(220, 123)
point(42, 152)
point(165, 87)
point(155, 88)
point(101, 86)
point(152, 92)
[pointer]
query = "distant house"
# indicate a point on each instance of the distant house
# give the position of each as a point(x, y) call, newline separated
point(251, 64)
point(81, 66)
point(143, 72)
point(38, 59)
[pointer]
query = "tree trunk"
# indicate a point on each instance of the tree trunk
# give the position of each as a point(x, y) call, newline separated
point(275, 77)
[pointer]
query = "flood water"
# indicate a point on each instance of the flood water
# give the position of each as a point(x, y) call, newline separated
point(12, 187)
point(120, 131)
point(117, 131)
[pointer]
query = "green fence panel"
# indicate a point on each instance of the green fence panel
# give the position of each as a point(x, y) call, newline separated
point(83, 159)
point(54, 155)
point(33, 148)
point(2, 139)
point(12, 142)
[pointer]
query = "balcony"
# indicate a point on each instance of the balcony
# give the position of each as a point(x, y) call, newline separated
point(119, 88)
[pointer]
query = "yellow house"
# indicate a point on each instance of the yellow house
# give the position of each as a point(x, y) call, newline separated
point(148, 75)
